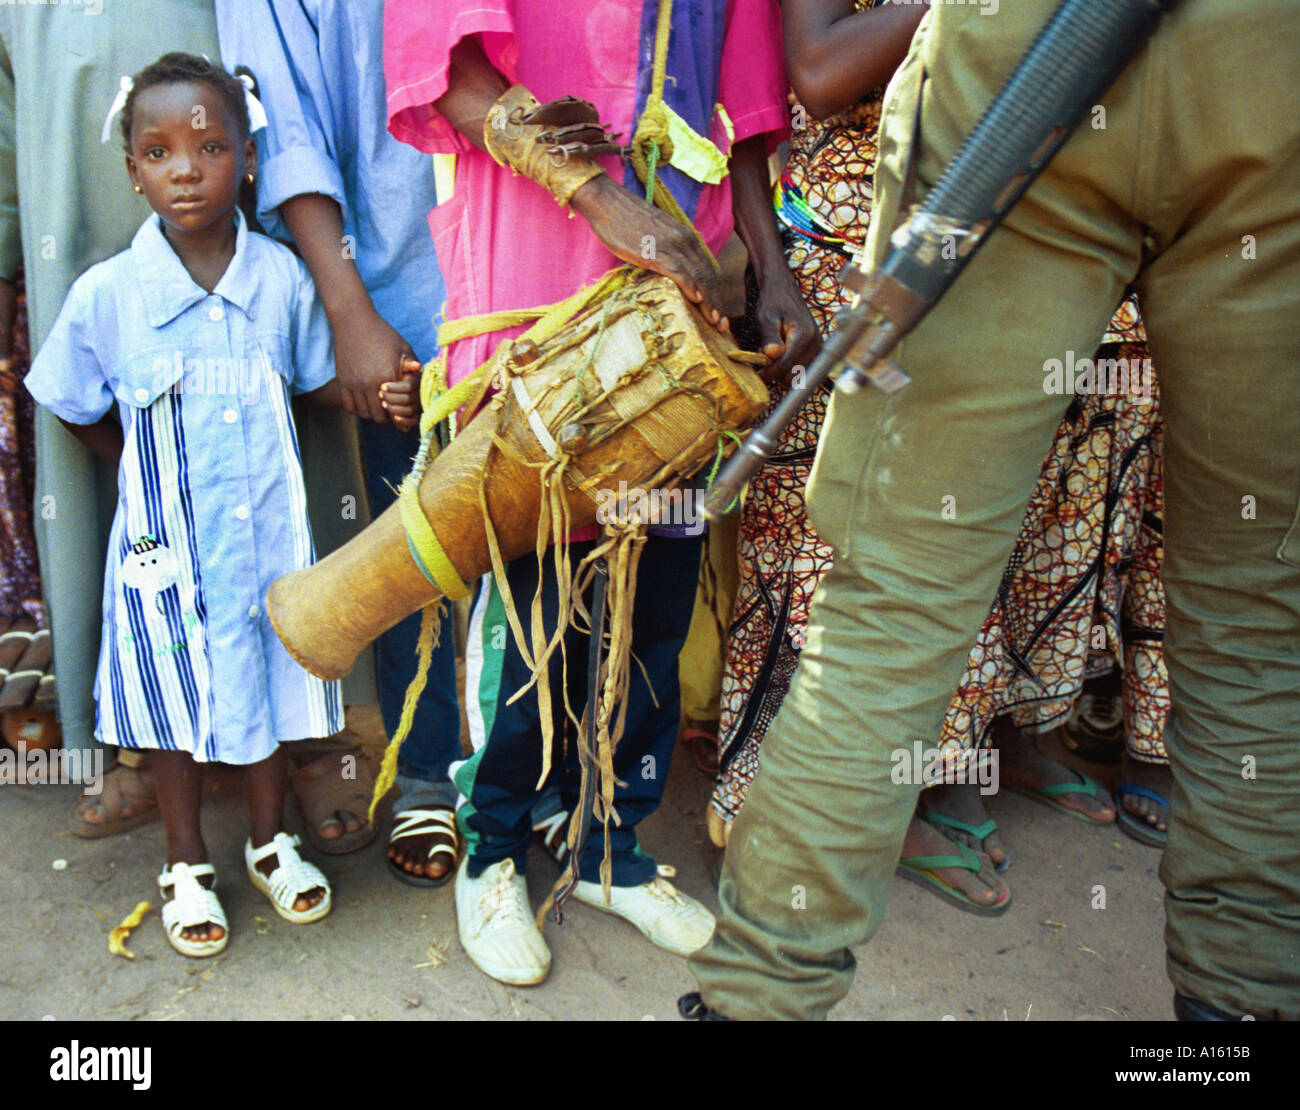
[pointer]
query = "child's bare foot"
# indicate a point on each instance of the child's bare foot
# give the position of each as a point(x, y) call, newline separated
point(209, 930)
point(297, 890)
point(186, 885)
point(193, 852)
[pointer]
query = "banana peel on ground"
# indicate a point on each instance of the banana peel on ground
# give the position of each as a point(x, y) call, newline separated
point(117, 938)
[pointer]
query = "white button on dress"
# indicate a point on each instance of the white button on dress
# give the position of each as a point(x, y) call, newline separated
point(216, 313)
point(254, 612)
point(142, 395)
point(242, 512)
point(230, 416)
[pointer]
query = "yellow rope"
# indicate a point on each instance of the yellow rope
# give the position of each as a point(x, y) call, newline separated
point(650, 142)
point(428, 552)
point(430, 625)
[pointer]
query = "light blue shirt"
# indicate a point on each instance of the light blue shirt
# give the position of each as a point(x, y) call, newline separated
point(211, 504)
point(320, 72)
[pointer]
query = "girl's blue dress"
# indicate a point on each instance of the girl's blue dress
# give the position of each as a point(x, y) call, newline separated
point(211, 504)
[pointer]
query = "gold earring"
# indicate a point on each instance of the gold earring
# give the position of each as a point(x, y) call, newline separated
point(250, 178)
point(138, 189)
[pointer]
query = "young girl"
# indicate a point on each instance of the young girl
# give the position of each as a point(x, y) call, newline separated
point(200, 332)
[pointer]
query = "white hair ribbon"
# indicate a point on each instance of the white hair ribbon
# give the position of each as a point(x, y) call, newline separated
point(119, 102)
point(256, 113)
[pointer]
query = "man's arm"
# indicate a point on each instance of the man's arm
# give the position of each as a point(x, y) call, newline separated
point(367, 350)
point(836, 55)
point(619, 218)
point(301, 188)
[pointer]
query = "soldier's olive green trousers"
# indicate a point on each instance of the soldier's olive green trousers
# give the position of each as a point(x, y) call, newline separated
point(1184, 182)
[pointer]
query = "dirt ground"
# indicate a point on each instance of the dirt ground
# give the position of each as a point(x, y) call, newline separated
point(389, 951)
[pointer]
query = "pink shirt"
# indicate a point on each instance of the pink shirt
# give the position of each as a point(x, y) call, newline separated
point(502, 241)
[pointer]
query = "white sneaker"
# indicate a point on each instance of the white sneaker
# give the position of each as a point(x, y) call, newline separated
point(496, 928)
point(665, 915)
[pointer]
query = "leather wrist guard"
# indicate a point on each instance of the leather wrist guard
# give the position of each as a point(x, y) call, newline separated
point(534, 150)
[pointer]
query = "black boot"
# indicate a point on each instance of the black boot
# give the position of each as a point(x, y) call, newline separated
point(1193, 1009)
point(692, 1008)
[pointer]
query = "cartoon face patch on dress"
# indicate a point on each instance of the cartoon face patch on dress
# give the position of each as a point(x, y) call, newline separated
point(150, 568)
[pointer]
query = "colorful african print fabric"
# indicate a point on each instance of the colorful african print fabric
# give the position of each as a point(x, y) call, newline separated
point(20, 585)
point(1082, 592)
point(823, 203)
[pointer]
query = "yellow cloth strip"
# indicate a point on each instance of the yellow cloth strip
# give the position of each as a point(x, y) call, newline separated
point(419, 533)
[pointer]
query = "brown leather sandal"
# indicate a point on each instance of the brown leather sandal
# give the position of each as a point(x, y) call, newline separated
point(121, 791)
point(323, 789)
point(703, 746)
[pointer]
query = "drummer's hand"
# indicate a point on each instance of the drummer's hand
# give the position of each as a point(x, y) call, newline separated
point(788, 334)
point(401, 398)
point(639, 233)
point(368, 352)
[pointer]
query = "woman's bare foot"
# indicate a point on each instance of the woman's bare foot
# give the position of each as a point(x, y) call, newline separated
point(963, 802)
point(333, 791)
point(984, 888)
point(1023, 765)
point(1155, 777)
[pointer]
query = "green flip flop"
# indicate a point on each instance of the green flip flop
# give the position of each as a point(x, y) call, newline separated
point(1047, 795)
point(979, 832)
point(920, 870)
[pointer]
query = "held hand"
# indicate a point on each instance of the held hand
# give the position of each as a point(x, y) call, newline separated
point(640, 234)
point(401, 398)
point(787, 331)
point(368, 353)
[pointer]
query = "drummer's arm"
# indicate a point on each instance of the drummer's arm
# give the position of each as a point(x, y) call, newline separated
point(473, 85)
point(786, 328)
point(619, 219)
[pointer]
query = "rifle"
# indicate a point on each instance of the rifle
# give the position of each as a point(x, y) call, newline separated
point(1075, 58)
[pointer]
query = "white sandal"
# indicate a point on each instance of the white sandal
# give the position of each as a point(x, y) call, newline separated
point(191, 904)
point(293, 877)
